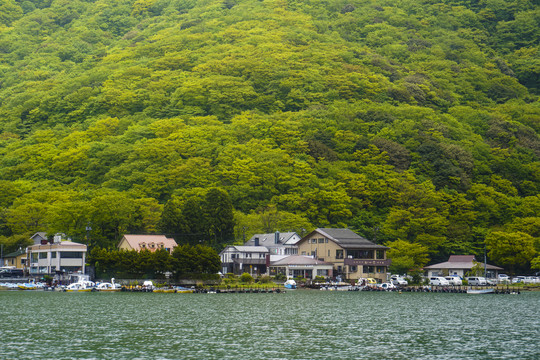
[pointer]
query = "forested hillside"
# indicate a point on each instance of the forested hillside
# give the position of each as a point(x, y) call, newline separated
point(410, 122)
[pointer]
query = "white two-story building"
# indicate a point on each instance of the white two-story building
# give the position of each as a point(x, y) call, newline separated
point(51, 256)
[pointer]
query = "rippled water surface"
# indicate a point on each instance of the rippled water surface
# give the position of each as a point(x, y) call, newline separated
point(296, 325)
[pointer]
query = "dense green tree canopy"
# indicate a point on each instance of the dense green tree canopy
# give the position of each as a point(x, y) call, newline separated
point(413, 120)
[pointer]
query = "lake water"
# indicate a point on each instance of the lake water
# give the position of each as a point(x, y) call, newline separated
point(301, 324)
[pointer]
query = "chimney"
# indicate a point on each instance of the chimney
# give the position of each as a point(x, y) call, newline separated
point(256, 241)
point(276, 237)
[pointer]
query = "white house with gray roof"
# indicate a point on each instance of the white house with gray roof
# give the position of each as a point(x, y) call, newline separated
point(238, 259)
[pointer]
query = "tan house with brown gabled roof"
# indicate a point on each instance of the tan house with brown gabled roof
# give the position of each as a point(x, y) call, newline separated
point(147, 242)
point(352, 256)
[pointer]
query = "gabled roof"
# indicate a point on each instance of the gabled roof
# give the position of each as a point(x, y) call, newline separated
point(286, 238)
point(299, 260)
point(465, 262)
point(38, 237)
point(15, 253)
point(41, 234)
point(346, 238)
point(250, 248)
point(135, 241)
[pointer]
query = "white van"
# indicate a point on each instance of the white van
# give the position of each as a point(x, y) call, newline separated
point(454, 280)
point(477, 281)
point(438, 280)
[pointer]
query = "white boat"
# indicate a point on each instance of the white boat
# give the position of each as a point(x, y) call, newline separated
point(183, 290)
point(27, 286)
point(108, 286)
point(480, 291)
point(80, 286)
point(290, 284)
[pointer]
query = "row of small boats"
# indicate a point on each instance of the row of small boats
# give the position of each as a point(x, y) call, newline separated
point(88, 286)
point(22, 286)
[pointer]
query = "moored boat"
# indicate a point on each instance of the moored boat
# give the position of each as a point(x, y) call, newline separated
point(81, 286)
point(108, 286)
point(183, 290)
point(290, 284)
point(481, 291)
point(27, 286)
point(165, 290)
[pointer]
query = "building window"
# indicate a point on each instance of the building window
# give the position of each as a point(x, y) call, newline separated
point(353, 269)
point(381, 269)
point(42, 255)
point(326, 240)
point(34, 257)
point(361, 254)
point(380, 254)
point(321, 240)
point(368, 269)
point(328, 253)
point(322, 272)
point(71, 255)
point(339, 254)
point(303, 253)
point(53, 255)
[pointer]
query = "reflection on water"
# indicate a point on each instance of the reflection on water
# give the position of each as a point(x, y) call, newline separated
point(296, 325)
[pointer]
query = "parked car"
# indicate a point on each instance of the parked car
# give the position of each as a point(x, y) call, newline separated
point(518, 279)
point(398, 280)
point(454, 280)
point(477, 281)
point(438, 280)
point(530, 280)
point(503, 278)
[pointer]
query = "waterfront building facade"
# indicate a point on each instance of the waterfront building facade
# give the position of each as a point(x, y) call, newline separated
point(459, 265)
point(240, 259)
point(352, 256)
point(50, 257)
point(295, 266)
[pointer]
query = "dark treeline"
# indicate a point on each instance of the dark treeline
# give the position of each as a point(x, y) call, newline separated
point(186, 261)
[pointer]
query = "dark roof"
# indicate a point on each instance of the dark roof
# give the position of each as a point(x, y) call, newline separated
point(15, 253)
point(299, 260)
point(347, 239)
point(269, 239)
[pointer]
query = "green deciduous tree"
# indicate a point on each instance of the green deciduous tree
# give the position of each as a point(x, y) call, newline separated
point(514, 250)
point(406, 257)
